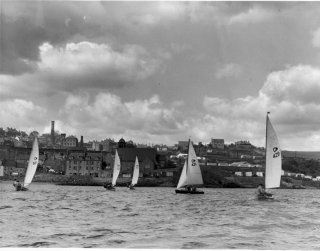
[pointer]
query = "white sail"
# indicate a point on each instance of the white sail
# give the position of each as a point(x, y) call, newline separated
point(135, 175)
point(194, 176)
point(183, 177)
point(273, 158)
point(116, 169)
point(33, 163)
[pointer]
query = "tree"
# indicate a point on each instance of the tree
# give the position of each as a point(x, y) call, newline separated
point(2, 131)
point(34, 134)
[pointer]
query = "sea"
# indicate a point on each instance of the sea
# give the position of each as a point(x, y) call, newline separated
point(52, 216)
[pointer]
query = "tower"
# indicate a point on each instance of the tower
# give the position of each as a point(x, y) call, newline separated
point(52, 133)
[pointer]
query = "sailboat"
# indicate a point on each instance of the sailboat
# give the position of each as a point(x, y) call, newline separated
point(191, 174)
point(135, 175)
point(273, 160)
point(116, 171)
point(32, 166)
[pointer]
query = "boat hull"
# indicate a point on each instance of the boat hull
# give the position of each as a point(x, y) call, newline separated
point(265, 197)
point(109, 188)
point(189, 192)
point(21, 189)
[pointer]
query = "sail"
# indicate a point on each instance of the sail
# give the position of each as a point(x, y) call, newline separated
point(183, 177)
point(135, 175)
point(273, 158)
point(194, 176)
point(116, 169)
point(33, 163)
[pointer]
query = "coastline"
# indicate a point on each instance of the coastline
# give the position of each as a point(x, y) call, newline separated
point(209, 182)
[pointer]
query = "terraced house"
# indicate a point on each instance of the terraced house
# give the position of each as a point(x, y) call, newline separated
point(90, 163)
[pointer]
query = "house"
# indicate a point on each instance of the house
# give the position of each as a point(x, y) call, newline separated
point(146, 157)
point(92, 163)
point(241, 164)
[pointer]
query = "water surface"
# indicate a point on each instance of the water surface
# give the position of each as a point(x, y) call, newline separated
point(68, 216)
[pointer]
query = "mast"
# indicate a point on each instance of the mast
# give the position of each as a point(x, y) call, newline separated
point(188, 160)
point(265, 149)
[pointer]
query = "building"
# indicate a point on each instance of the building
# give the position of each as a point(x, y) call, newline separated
point(71, 141)
point(92, 163)
point(217, 143)
point(147, 161)
point(183, 146)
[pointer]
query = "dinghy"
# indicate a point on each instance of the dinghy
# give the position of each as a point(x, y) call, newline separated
point(191, 176)
point(273, 161)
point(32, 166)
point(135, 175)
point(116, 171)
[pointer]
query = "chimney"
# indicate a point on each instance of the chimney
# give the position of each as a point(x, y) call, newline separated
point(81, 141)
point(52, 133)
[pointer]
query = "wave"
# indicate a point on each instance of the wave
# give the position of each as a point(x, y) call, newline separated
point(116, 242)
point(194, 245)
point(5, 207)
point(94, 236)
point(38, 244)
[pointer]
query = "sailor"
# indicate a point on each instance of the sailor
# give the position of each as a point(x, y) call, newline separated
point(19, 186)
point(262, 192)
point(15, 183)
point(107, 186)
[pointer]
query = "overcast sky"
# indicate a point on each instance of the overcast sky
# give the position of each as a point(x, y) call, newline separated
point(160, 72)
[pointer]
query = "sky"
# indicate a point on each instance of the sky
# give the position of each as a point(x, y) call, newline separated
point(162, 72)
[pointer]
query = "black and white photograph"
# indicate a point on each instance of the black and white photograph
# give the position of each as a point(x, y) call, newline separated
point(160, 124)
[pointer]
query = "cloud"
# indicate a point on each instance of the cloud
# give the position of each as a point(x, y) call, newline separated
point(290, 95)
point(316, 38)
point(252, 15)
point(96, 64)
point(228, 70)
point(83, 65)
point(23, 113)
point(108, 115)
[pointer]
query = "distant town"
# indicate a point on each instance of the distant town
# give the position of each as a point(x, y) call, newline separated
point(222, 165)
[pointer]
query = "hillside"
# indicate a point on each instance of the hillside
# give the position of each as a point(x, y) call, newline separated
point(301, 154)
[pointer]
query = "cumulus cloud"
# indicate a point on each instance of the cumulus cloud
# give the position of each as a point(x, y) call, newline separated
point(108, 115)
point(82, 65)
point(228, 70)
point(21, 112)
point(95, 64)
point(290, 95)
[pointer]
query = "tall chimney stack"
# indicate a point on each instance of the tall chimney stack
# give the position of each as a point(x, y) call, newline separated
point(81, 141)
point(52, 133)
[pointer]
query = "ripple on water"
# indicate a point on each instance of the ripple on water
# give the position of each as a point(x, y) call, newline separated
point(5, 207)
point(194, 245)
point(37, 244)
point(117, 242)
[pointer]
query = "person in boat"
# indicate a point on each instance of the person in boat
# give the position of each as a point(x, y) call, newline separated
point(108, 186)
point(262, 191)
point(15, 183)
point(193, 189)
